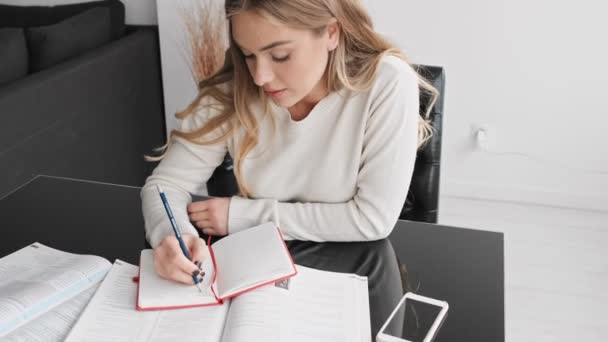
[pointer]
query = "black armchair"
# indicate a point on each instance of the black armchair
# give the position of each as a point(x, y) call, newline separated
point(422, 201)
point(423, 197)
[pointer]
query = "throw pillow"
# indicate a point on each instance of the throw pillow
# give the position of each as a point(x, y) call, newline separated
point(49, 45)
point(28, 16)
point(13, 54)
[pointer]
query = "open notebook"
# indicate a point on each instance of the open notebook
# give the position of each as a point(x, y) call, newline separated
point(239, 263)
point(311, 306)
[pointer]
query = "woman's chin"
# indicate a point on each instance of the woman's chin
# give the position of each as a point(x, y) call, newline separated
point(282, 102)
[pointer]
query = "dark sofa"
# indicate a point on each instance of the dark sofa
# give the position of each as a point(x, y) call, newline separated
point(90, 117)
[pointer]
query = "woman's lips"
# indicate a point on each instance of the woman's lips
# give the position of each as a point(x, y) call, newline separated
point(274, 93)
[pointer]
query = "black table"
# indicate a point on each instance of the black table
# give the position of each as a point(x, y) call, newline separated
point(461, 266)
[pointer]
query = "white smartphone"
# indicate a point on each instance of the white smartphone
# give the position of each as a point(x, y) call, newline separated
point(415, 319)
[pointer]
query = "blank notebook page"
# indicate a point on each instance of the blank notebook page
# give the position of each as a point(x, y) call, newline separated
point(251, 257)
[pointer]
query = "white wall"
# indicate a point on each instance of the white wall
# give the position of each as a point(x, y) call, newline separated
point(179, 87)
point(534, 73)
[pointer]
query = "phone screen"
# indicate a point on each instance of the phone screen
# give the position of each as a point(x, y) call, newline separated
point(413, 320)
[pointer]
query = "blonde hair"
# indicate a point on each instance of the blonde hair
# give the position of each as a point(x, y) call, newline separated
point(352, 65)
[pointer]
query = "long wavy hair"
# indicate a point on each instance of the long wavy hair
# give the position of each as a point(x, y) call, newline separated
point(352, 65)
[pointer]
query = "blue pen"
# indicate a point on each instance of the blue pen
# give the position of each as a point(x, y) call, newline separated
point(178, 233)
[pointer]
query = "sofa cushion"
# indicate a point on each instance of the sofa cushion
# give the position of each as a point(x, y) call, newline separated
point(49, 45)
point(13, 54)
point(28, 16)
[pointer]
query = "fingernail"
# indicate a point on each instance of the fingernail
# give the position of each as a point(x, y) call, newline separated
point(196, 273)
point(198, 264)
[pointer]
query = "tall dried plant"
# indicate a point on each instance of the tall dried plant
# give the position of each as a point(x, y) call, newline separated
point(206, 29)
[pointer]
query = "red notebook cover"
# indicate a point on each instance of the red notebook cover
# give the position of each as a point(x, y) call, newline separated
point(219, 300)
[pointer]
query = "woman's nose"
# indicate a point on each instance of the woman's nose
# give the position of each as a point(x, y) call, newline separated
point(262, 74)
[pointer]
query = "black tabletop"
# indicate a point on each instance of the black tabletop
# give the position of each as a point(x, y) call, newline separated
point(461, 266)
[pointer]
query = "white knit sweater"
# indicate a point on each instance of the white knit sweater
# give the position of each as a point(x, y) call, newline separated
point(341, 174)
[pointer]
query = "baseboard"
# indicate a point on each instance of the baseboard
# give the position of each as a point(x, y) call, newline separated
point(525, 195)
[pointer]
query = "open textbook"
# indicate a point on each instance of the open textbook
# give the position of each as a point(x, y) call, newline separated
point(53, 325)
point(239, 262)
point(45, 289)
point(311, 306)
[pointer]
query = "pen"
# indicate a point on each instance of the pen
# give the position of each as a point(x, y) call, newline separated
point(176, 230)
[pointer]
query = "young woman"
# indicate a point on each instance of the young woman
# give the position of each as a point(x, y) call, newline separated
point(321, 116)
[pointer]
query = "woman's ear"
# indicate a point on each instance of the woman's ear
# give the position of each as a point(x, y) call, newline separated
point(333, 34)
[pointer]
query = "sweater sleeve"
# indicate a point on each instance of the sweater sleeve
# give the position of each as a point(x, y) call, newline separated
point(388, 157)
point(184, 170)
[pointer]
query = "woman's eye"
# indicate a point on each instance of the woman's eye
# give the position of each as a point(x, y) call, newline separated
point(280, 59)
point(249, 56)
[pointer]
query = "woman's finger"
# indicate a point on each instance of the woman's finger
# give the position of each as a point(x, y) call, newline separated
point(209, 231)
point(175, 264)
point(183, 277)
point(200, 252)
point(182, 270)
point(199, 216)
point(166, 270)
point(197, 206)
point(203, 224)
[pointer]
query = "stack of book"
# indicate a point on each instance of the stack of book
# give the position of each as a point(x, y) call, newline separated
point(251, 291)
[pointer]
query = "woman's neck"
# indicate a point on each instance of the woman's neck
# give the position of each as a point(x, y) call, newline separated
point(302, 108)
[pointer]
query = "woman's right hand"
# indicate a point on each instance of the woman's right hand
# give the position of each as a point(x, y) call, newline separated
point(170, 262)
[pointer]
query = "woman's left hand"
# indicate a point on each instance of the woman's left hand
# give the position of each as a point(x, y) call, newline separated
point(211, 216)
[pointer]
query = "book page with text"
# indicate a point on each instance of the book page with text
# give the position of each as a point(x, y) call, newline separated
point(111, 316)
point(36, 278)
point(54, 325)
point(251, 257)
point(159, 293)
point(312, 306)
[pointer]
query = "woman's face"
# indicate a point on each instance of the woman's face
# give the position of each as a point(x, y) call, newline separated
point(289, 64)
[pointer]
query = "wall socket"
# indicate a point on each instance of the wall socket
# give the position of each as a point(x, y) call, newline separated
point(480, 137)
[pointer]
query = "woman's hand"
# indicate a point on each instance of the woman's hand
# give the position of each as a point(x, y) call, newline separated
point(170, 262)
point(210, 215)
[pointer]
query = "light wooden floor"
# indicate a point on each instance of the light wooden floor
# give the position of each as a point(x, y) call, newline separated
point(556, 267)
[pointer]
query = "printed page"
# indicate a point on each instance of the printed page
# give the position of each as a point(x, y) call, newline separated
point(111, 316)
point(312, 306)
point(249, 258)
point(158, 293)
point(53, 326)
point(35, 279)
